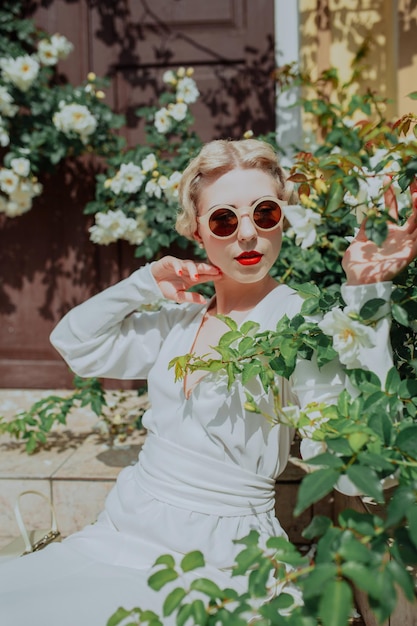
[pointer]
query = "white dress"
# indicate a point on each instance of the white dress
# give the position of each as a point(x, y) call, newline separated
point(206, 473)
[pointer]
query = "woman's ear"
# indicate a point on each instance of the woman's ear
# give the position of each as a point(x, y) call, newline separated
point(198, 239)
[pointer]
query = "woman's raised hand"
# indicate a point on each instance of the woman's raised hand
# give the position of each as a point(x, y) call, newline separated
point(365, 262)
point(175, 276)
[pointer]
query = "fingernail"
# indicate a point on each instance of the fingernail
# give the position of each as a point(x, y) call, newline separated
point(196, 276)
point(179, 272)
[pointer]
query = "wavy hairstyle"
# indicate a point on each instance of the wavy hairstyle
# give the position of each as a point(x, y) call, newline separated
point(217, 158)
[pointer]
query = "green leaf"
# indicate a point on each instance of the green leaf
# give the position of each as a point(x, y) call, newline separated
point(206, 586)
point(402, 499)
point(353, 550)
point(249, 327)
point(172, 601)
point(118, 617)
point(360, 575)
point(376, 461)
point(318, 578)
point(165, 559)
point(184, 614)
point(326, 459)
point(315, 486)
point(246, 346)
point(367, 481)
point(365, 381)
point(412, 523)
point(160, 579)
point(382, 426)
point(228, 320)
point(408, 388)
point(371, 307)
point(199, 612)
point(307, 289)
point(245, 559)
point(393, 381)
point(400, 314)
point(407, 441)
point(192, 560)
point(336, 603)
point(230, 337)
point(403, 578)
point(249, 371)
point(317, 527)
point(358, 440)
point(336, 194)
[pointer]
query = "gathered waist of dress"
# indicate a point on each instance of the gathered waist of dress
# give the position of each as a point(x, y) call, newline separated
point(190, 480)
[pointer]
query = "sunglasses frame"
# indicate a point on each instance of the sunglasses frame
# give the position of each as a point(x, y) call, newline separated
point(205, 218)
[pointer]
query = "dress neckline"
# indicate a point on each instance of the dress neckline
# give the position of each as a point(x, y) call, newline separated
point(202, 314)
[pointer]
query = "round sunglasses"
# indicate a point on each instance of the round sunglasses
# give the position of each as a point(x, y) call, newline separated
point(224, 220)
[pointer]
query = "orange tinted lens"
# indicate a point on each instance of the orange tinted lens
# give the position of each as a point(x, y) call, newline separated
point(223, 222)
point(267, 214)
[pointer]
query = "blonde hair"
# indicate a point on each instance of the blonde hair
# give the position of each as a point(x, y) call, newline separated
point(217, 158)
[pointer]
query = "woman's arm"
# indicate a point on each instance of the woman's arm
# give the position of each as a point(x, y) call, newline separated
point(107, 335)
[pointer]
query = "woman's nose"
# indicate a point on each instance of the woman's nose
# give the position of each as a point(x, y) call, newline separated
point(247, 229)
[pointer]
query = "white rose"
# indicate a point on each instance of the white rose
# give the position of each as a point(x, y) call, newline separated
point(20, 166)
point(153, 189)
point(162, 120)
point(187, 90)
point(22, 198)
point(110, 227)
point(169, 77)
point(128, 179)
point(178, 111)
point(61, 45)
point(47, 53)
point(7, 108)
point(21, 72)
point(137, 234)
point(349, 336)
point(303, 222)
point(8, 180)
point(171, 188)
point(4, 136)
point(149, 163)
point(75, 118)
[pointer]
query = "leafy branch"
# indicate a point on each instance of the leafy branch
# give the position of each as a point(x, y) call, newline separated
point(35, 424)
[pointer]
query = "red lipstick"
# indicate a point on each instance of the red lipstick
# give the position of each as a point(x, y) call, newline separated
point(249, 258)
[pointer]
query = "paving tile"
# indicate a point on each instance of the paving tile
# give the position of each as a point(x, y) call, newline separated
point(16, 463)
point(95, 460)
point(77, 503)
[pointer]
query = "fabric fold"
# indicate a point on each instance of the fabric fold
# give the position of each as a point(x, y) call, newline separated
point(190, 480)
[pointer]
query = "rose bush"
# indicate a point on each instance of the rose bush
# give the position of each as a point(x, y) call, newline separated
point(43, 122)
point(136, 198)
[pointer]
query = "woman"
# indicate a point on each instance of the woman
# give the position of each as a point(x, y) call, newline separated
point(206, 473)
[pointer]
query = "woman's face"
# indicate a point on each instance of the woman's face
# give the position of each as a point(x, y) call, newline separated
point(247, 255)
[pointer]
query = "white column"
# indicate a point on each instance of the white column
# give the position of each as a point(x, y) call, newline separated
point(287, 46)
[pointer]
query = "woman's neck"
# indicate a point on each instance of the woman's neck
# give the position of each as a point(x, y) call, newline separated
point(232, 296)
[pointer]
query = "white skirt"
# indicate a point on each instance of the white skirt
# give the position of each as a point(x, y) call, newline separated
point(172, 501)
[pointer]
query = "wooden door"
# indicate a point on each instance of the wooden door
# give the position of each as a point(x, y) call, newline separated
point(47, 262)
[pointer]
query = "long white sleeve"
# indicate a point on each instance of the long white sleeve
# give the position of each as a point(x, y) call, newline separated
point(108, 336)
